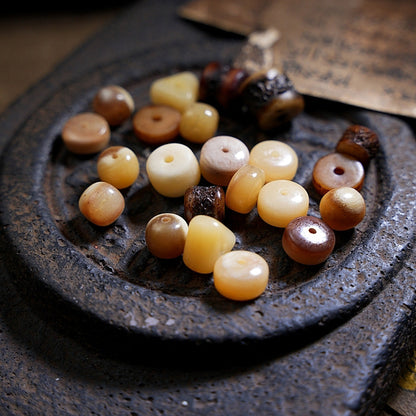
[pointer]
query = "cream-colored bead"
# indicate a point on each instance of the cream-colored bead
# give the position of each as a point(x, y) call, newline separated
point(277, 159)
point(281, 201)
point(172, 169)
point(207, 240)
point(177, 91)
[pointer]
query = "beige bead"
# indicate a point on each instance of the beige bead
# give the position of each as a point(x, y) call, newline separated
point(221, 157)
point(173, 168)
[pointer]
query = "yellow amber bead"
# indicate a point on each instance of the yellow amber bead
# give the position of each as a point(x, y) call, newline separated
point(281, 201)
point(206, 241)
point(241, 275)
point(177, 91)
point(277, 159)
point(244, 188)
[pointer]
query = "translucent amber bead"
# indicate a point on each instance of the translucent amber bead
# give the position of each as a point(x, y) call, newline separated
point(308, 240)
point(173, 168)
point(119, 166)
point(342, 208)
point(165, 235)
point(199, 122)
point(281, 201)
point(241, 275)
point(206, 241)
point(177, 91)
point(243, 189)
point(101, 203)
point(204, 200)
point(277, 159)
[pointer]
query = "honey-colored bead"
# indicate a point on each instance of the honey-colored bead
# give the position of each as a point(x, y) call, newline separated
point(206, 241)
point(199, 122)
point(243, 189)
point(342, 208)
point(114, 103)
point(281, 201)
point(86, 133)
point(241, 275)
point(177, 91)
point(165, 235)
point(308, 240)
point(101, 203)
point(221, 157)
point(173, 168)
point(156, 124)
point(277, 159)
point(336, 170)
point(204, 200)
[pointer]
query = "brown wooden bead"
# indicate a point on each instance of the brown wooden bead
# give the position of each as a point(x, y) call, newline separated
point(336, 170)
point(360, 142)
point(156, 124)
point(204, 200)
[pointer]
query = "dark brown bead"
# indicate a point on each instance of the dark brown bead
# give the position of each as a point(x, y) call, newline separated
point(204, 200)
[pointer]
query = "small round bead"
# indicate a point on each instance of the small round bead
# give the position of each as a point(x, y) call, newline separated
point(207, 240)
point(177, 91)
point(156, 124)
point(165, 235)
point(199, 122)
point(243, 189)
point(114, 103)
point(308, 240)
point(101, 203)
point(336, 170)
point(277, 159)
point(241, 275)
point(173, 168)
point(204, 200)
point(281, 201)
point(86, 133)
point(119, 166)
point(342, 208)
point(221, 157)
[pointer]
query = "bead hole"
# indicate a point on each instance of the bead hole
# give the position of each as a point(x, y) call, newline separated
point(339, 171)
point(169, 159)
point(312, 230)
point(157, 117)
point(225, 150)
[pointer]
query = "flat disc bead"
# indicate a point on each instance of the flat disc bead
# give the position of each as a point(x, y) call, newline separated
point(173, 168)
point(336, 170)
point(241, 275)
point(342, 208)
point(243, 189)
point(277, 159)
point(221, 157)
point(279, 202)
point(308, 240)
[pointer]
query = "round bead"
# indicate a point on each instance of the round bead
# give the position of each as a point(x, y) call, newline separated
point(241, 275)
point(308, 240)
point(281, 201)
point(336, 170)
point(101, 203)
point(199, 122)
point(86, 133)
point(243, 189)
point(156, 124)
point(173, 168)
point(177, 91)
point(207, 240)
point(119, 166)
point(165, 235)
point(221, 157)
point(342, 208)
point(277, 159)
point(204, 200)
point(114, 103)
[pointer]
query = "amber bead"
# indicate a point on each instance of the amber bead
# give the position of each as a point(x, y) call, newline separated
point(221, 157)
point(308, 240)
point(342, 208)
point(114, 103)
point(204, 200)
point(336, 170)
point(156, 124)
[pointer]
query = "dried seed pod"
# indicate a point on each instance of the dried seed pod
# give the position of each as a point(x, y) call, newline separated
point(204, 200)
